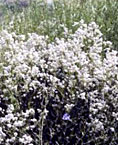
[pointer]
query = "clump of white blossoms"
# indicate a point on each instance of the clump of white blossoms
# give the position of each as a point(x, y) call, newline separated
point(83, 63)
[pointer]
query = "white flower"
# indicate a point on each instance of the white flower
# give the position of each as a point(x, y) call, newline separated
point(18, 123)
point(9, 125)
point(26, 139)
point(10, 109)
point(35, 71)
point(9, 117)
point(15, 134)
point(83, 95)
point(112, 129)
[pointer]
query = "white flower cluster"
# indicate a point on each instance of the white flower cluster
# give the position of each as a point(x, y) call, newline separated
point(26, 139)
point(15, 122)
point(84, 61)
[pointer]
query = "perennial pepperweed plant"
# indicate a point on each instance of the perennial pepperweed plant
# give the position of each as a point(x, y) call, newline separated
point(64, 92)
